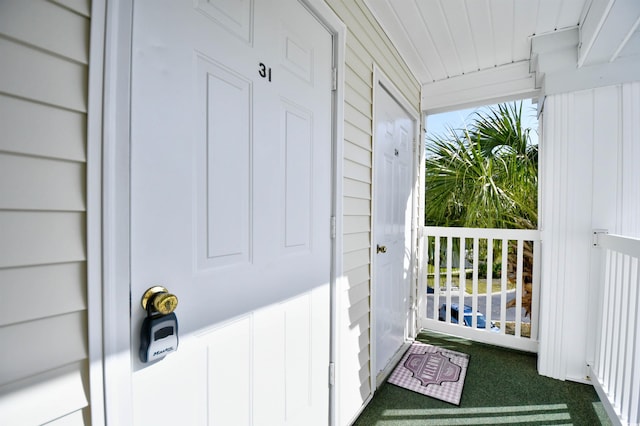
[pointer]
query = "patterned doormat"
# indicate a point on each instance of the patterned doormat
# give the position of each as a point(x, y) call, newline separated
point(432, 371)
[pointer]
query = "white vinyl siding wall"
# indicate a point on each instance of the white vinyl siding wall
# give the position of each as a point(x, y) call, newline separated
point(590, 179)
point(44, 46)
point(366, 45)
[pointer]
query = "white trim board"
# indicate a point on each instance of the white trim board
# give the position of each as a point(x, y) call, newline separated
point(501, 84)
point(94, 212)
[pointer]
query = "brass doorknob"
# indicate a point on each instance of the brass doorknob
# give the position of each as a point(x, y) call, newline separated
point(161, 300)
point(381, 249)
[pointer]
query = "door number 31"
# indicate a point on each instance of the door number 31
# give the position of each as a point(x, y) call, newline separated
point(263, 71)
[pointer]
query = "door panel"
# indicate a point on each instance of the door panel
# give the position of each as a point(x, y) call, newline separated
point(392, 230)
point(230, 207)
point(225, 177)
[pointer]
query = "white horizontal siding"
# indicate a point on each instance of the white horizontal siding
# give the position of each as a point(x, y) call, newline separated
point(42, 291)
point(40, 130)
point(356, 171)
point(70, 29)
point(44, 397)
point(41, 183)
point(41, 237)
point(366, 45)
point(356, 136)
point(42, 345)
point(589, 180)
point(358, 155)
point(81, 7)
point(357, 206)
point(73, 419)
point(34, 74)
point(43, 103)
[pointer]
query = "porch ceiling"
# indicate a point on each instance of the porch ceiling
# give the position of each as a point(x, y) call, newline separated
point(472, 51)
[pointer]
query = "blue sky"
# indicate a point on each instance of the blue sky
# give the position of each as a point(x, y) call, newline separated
point(438, 123)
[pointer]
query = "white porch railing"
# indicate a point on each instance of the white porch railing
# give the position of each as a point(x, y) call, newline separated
point(616, 370)
point(495, 272)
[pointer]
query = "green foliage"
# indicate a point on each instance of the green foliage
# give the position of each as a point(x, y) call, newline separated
point(484, 176)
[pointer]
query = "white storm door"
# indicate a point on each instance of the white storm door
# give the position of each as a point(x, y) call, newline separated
point(393, 159)
point(230, 208)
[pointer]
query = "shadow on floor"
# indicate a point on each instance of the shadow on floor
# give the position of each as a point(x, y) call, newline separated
point(502, 386)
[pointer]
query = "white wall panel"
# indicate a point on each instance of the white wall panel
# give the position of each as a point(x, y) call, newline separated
point(589, 180)
point(366, 45)
point(44, 47)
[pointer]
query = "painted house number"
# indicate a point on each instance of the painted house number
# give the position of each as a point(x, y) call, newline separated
point(263, 71)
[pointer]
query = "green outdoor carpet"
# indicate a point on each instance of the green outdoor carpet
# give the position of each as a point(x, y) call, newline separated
point(502, 386)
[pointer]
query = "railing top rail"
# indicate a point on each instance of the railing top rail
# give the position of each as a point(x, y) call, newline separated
point(620, 243)
point(494, 233)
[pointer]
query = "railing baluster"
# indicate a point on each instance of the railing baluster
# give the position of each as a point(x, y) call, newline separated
point(605, 335)
point(616, 324)
point(610, 321)
point(623, 317)
point(519, 287)
point(489, 279)
point(535, 291)
point(631, 315)
point(474, 303)
point(436, 276)
point(503, 286)
point(449, 256)
point(462, 281)
point(634, 350)
point(423, 278)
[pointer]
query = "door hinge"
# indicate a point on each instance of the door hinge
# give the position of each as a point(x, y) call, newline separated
point(333, 227)
point(332, 374)
point(334, 79)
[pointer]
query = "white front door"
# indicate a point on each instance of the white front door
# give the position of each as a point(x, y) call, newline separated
point(230, 209)
point(393, 181)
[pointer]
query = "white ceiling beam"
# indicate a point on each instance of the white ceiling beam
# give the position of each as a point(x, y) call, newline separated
point(623, 70)
point(499, 84)
point(606, 29)
point(555, 61)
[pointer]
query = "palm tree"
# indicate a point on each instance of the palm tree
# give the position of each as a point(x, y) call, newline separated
point(486, 176)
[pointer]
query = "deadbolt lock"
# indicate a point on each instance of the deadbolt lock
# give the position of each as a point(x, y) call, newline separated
point(161, 300)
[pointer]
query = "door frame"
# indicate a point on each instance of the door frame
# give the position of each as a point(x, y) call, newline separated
point(383, 83)
point(108, 188)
